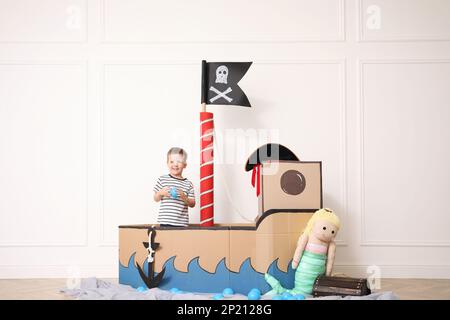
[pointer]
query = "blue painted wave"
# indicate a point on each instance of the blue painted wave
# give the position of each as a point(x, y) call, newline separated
point(199, 280)
point(130, 275)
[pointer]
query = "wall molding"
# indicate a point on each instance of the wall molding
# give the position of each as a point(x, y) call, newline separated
point(396, 271)
point(364, 239)
point(57, 271)
point(341, 37)
point(34, 42)
point(342, 125)
point(410, 38)
point(84, 65)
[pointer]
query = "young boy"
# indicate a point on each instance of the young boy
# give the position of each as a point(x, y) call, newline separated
point(175, 192)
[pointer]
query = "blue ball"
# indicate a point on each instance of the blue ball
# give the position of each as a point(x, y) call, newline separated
point(256, 290)
point(291, 298)
point(299, 297)
point(227, 292)
point(286, 295)
point(277, 298)
point(218, 296)
point(254, 294)
point(141, 289)
point(173, 192)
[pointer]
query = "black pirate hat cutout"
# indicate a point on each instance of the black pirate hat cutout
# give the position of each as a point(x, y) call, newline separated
point(267, 152)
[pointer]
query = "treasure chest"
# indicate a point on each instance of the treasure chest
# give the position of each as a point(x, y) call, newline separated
point(340, 286)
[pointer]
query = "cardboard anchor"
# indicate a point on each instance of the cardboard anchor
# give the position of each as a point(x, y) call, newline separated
point(150, 280)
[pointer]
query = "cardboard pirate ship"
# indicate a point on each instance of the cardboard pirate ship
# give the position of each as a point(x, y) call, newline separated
point(209, 259)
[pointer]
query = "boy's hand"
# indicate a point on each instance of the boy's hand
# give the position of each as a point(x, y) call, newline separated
point(182, 195)
point(164, 192)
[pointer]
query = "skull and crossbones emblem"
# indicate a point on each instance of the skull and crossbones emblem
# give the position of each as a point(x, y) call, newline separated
point(221, 77)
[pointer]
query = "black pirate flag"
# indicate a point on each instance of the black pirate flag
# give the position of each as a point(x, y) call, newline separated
point(220, 83)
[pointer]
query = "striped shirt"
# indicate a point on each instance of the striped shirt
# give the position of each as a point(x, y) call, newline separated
point(174, 211)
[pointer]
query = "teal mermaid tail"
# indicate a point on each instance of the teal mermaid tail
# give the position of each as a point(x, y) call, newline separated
point(275, 284)
point(277, 288)
point(310, 267)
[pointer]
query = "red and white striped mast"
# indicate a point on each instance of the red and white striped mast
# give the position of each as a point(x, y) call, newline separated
point(206, 158)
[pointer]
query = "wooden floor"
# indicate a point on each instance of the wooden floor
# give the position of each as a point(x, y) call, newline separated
point(48, 289)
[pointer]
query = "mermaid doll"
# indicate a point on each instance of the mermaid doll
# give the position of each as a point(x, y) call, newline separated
point(314, 255)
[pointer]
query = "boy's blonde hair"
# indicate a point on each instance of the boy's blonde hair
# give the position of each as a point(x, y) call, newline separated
point(322, 214)
point(176, 150)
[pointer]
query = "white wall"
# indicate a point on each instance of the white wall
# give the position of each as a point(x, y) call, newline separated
point(93, 93)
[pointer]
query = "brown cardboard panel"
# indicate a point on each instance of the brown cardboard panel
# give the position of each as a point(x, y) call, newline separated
point(273, 196)
point(210, 246)
point(293, 240)
point(263, 245)
point(274, 224)
point(298, 221)
point(262, 249)
point(130, 241)
point(271, 247)
point(242, 246)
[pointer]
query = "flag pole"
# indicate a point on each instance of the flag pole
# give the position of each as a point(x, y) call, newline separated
point(206, 158)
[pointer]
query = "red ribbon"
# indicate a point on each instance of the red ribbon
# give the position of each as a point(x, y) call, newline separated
point(256, 176)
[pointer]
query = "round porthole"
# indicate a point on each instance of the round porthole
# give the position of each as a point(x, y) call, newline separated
point(293, 182)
